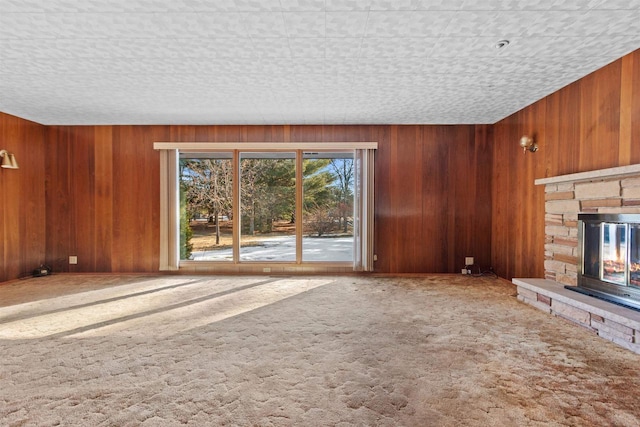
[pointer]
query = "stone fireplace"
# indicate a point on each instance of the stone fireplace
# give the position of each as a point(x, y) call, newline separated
point(609, 257)
point(568, 198)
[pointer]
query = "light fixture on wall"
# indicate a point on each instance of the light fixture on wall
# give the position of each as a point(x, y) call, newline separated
point(8, 160)
point(528, 144)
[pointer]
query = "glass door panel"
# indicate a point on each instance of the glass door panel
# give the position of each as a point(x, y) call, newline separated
point(328, 196)
point(614, 253)
point(591, 241)
point(267, 206)
point(634, 255)
point(206, 207)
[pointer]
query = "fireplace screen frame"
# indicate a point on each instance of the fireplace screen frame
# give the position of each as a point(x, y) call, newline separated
point(625, 294)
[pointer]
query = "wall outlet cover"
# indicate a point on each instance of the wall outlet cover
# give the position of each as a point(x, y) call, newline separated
point(468, 260)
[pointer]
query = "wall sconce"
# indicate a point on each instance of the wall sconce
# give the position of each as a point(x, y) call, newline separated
point(8, 160)
point(527, 144)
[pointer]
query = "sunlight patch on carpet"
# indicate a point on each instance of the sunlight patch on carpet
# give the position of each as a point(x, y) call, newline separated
point(162, 307)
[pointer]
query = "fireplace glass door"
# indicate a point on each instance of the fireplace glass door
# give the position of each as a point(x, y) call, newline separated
point(614, 253)
point(609, 246)
point(592, 249)
point(634, 256)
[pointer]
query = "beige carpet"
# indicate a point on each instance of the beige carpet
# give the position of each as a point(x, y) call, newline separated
point(300, 351)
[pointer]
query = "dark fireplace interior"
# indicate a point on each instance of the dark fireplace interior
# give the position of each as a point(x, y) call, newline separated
point(609, 262)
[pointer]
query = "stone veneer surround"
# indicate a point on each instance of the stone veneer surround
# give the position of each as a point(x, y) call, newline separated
point(610, 191)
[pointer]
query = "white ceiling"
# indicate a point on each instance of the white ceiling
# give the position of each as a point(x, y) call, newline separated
point(299, 61)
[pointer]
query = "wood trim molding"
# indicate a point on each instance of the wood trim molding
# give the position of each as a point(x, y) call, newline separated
point(316, 146)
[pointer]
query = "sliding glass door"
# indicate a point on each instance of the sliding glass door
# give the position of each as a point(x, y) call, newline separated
point(267, 207)
point(292, 207)
point(206, 206)
point(328, 201)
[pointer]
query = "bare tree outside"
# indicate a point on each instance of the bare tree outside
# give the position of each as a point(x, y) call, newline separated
point(267, 202)
point(343, 171)
point(206, 194)
point(267, 185)
point(328, 210)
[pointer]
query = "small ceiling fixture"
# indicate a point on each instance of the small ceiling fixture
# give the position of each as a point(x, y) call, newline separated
point(8, 160)
point(528, 144)
point(501, 44)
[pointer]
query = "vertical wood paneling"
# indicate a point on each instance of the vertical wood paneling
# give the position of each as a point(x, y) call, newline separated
point(306, 133)
point(591, 124)
point(264, 133)
point(500, 214)
point(437, 187)
point(518, 220)
point(481, 231)
point(186, 134)
point(391, 223)
point(634, 87)
point(126, 237)
point(384, 203)
point(462, 196)
point(31, 157)
point(626, 102)
point(600, 117)
point(469, 192)
point(58, 198)
point(103, 219)
point(150, 259)
point(530, 246)
point(435, 200)
point(136, 198)
point(407, 185)
point(108, 176)
point(93, 191)
point(82, 215)
point(15, 184)
point(23, 207)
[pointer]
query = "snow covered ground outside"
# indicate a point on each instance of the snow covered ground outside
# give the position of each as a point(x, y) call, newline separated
point(283, 249)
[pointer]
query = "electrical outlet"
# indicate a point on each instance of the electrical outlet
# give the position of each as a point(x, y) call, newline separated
point(266, 270)
point(73, 259)
point(468, 260)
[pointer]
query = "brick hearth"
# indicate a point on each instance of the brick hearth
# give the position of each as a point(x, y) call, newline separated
point(615, 190)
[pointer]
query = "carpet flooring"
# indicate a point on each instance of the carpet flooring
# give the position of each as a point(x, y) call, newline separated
point(109, 350)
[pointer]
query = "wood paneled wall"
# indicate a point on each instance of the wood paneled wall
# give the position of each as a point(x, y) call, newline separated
point(433, 198)
point(433, 192)
point(442, 192)
point(103, 197)
point(591, 124)
point(22, 198)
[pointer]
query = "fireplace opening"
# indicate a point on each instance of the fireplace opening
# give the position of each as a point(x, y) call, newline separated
point(609, 257)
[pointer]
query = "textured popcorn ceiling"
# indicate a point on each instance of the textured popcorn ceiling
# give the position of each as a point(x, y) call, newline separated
point(299, 61)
